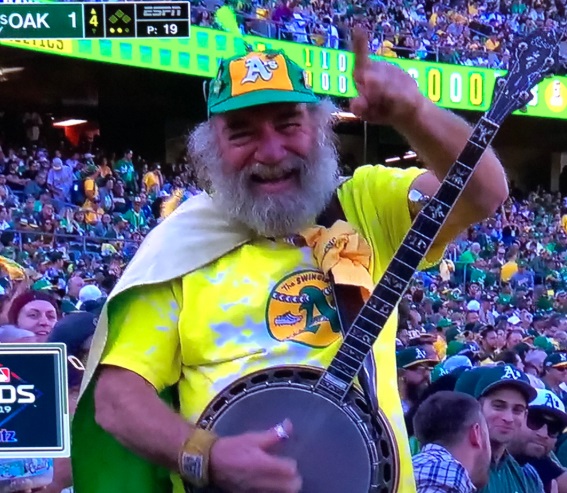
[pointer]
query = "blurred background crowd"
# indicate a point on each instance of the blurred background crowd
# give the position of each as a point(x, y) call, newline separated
point(467, 32)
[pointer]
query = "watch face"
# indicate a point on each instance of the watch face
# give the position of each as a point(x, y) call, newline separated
point(415, 195)
point(192, 467)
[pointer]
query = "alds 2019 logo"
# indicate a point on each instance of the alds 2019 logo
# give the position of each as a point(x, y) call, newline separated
point(14, 394)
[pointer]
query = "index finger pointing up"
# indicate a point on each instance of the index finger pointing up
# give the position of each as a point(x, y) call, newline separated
point(360, 50)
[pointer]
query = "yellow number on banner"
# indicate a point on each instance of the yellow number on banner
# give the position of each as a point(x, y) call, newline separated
point(309, 76)
point(307, 57)
point(475, 89)
point(94, 21)
point(434, 85)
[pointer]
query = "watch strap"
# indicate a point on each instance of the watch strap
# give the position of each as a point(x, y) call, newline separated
point(194, 457)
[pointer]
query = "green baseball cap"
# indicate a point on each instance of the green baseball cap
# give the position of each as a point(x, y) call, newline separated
point(406, 358)
point(504, 299)
point(504, 376)
point(42, 284)
point(542, 342)
point(468, 380)
point(257, 78)
point(438, 372)
point(444, 323)
point(454, 347)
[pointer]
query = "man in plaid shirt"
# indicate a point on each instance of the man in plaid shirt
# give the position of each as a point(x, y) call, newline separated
point(455, 457)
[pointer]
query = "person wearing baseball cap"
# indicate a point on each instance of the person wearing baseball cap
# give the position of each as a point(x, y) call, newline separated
point(504, 393)
point(259, 234)
point(489, 341)
point(545, 422)
point(555, 374)
point(414, 374)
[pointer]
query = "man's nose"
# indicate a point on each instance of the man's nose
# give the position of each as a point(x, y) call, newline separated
point(271, 149)
point(508, 416)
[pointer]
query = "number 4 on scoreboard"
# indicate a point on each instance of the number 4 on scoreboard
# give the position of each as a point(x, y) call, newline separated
point(93, 21)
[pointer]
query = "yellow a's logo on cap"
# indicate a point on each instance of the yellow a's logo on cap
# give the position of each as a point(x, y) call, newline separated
point(256, 67)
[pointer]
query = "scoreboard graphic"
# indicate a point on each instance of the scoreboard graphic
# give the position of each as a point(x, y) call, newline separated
point(75, 20)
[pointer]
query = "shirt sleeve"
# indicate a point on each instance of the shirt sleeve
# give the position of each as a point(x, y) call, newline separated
point(435, 476)
point(546, 469)
point(143, 333)
point(532, 477)
point(375, 200)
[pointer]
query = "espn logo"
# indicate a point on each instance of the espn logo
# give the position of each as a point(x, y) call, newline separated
point(5, 376)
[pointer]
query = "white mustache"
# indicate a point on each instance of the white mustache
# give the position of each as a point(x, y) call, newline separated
point(267, 172)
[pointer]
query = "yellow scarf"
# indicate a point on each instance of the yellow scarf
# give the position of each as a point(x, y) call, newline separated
point(342, 251)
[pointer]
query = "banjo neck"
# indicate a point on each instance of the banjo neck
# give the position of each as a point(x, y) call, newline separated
point(370, 321)
point(534, 58)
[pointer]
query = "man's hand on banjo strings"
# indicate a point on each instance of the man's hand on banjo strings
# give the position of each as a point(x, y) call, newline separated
point(245, 463)
point(386, 94)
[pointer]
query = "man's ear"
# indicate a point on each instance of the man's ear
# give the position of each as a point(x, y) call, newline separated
point(475, 435)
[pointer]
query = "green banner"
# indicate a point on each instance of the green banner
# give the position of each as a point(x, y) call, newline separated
point(450, 86)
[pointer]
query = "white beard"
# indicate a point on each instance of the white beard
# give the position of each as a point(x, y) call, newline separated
point(282, 214)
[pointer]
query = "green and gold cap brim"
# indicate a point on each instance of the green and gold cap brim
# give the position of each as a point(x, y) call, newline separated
point(267, 96)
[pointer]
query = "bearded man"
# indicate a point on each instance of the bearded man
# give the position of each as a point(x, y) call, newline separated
point(214, 292)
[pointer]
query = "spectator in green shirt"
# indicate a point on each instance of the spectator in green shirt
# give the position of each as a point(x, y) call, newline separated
point(470, 255)
point(135, 216)
point(124, 168)
point(504, 393)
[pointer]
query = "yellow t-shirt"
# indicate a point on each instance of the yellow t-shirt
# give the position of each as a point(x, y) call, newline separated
point(90, 188)
point(564, 222)
point(150, 180)
point(508, 270)
point(93, 212)
point(440, 346)
point(247, 311)
point(387, 49)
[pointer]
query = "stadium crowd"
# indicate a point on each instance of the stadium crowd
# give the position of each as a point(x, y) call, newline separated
point(478, 33)
point(494, 310)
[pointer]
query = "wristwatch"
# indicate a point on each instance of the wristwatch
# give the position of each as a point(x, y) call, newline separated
point(416, 201)
point(194, 457)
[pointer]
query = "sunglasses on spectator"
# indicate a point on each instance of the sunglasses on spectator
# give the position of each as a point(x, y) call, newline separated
point(535, 422)
point(420, 368)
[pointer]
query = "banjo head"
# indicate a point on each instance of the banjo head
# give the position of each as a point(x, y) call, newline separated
point(338, 448)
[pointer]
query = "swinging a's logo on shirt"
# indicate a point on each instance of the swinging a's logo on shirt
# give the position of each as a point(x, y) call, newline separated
point(301, 309)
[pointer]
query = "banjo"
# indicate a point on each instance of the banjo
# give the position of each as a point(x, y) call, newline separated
point(340, 445)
